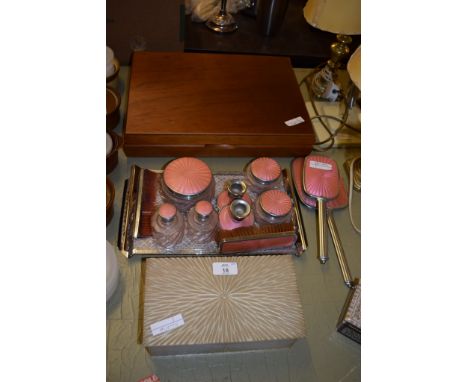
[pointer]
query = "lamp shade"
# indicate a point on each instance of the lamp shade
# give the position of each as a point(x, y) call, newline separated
point(354, 67)
point(336, 16)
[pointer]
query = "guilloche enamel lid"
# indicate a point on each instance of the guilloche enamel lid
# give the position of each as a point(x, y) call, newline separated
point(167, 211)
point(187, 176)
point(203, 208)
point(265, 169)
point(275, 202)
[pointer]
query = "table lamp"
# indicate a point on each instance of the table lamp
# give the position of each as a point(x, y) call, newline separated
point(342, 17)
point(354, 71)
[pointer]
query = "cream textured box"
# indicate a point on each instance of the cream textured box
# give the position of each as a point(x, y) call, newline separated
point(215, 304)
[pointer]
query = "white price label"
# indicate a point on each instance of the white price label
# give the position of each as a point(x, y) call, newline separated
point(227, 269)
point(320, 165)
point(294, 121)
point(167, 324)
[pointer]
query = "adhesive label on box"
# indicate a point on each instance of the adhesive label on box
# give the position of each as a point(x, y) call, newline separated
point(167, 324)
point(226, 269)
point(294, 121)
point(320, 165)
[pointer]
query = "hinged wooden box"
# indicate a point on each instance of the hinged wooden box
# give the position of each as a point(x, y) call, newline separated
point(200, 104)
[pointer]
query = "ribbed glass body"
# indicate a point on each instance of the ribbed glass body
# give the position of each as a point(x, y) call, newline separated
point(273, 207)
point(262, 174)
point(168, 232)
point(202, 228)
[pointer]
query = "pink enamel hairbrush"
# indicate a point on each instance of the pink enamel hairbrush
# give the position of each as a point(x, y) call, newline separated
point(321, 181)
point(341, 201)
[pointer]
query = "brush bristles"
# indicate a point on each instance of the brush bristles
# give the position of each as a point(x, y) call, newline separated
point(251, 233)
point(148, 203)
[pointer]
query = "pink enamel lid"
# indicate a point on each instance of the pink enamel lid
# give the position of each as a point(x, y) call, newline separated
point(340, 201)
point(187, 176)
point(167, 211)
point(203, 208)
point(275, 202)
point(224, 199)
point(265, 169)
point(320, 177)
point(227, 222)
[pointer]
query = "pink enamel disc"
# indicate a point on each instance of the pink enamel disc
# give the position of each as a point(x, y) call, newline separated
point(223, 199)
point(203, 208)
point(320, 177)
point(275, 202)
point(227, 222)
point(187, 176)
point(340, 201)
point(265, 169)
point(167, 211)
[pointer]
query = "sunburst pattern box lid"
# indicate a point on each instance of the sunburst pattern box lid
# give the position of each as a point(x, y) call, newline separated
point(209, 303)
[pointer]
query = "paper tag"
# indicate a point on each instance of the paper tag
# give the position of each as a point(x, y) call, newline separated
point(320, 165)
point(294, 121)
point(167, 324)
point(227, 269)
point(150, 378)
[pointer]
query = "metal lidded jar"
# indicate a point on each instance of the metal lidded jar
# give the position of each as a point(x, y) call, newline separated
point(263, 174)
point(186, 181)
point(273, 207)
point(202, 221)
point(168, 226)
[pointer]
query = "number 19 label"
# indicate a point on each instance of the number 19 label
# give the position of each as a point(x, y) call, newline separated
point(224, 269)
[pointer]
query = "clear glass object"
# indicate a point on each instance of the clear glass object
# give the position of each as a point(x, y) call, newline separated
point(273, 207)
point(168, 226)
point(202, 221)
point(186, 181)
point(263, 174)
point(223, 21)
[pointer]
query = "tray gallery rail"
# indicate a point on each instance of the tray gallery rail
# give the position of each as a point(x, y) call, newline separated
point(142, 195)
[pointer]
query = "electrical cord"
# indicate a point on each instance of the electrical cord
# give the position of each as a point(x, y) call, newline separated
point(350, 193)
point(342, 120)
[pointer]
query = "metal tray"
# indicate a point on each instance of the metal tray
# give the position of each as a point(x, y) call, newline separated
point(134, 237)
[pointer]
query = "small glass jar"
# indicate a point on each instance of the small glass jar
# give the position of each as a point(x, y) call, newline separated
point(186, 181)
point(168, 226)
point(235, 215)
point(263, 174)
point(273, 207)
point(202, 221)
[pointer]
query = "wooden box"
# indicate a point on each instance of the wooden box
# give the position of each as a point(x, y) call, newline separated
point(192, 306)
point(200, 104)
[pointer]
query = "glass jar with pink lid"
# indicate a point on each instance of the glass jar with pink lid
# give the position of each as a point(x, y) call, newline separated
point(186, 181)
point(273, 207)
point(202, 222)
point(263, 174)
point(168, 226)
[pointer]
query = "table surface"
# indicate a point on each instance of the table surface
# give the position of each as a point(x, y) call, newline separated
point(306, 46)
point(324, 355)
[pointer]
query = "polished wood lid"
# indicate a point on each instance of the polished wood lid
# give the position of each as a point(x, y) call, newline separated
point(210, 104)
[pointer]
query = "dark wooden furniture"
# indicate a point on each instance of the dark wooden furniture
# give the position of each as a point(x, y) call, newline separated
point(214, 105)
point(306, 46)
